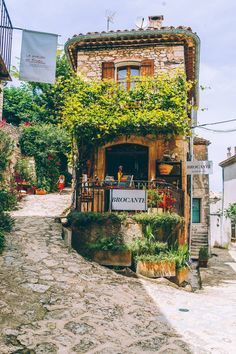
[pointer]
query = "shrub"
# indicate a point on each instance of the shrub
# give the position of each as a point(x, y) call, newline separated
point(6, 222)
point(2, 241)
point(7, 200)
point(112, 243)
point(6, 147)
point(49, 146)
point(79, 219)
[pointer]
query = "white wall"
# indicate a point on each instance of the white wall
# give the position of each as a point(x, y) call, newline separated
point(215, 220)
point(229, 197)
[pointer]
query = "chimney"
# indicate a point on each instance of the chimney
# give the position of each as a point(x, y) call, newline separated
point(155, 22)
point(229, 152)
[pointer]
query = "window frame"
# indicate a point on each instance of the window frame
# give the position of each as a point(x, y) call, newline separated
point(128, 65)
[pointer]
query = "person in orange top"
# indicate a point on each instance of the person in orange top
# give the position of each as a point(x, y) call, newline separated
point(61, 183)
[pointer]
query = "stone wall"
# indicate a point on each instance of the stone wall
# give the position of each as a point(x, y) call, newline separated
point(165, 58)
point(201, 190)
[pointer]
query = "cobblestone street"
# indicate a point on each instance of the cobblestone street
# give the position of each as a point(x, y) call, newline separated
point(53, 301)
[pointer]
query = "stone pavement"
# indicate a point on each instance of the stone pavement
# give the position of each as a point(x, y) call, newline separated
point(207, 318)
point(53, 301)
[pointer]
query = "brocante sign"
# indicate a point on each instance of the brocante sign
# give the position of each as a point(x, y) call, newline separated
point(128, 199)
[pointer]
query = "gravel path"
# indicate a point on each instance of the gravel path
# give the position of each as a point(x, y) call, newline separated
point(53, 301)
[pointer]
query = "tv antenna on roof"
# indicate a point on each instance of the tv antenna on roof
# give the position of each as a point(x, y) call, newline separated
point(110, 18)
point(141, 23)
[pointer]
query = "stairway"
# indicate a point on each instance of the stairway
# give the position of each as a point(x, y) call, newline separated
point(199, 239)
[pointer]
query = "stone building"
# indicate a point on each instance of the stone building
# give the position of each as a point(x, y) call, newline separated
point(5, 49)
point(119, 55)
point(228, 231)
point(200, 208)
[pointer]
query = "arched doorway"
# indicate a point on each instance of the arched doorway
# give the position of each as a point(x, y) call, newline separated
point(133, 158)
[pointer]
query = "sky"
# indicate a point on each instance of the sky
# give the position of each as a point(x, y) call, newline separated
point(212, 20)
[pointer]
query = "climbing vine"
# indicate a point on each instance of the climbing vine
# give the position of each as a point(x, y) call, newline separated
point(99, 111)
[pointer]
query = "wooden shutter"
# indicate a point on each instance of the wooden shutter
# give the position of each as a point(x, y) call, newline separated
point(108, 70)
point(147, 67)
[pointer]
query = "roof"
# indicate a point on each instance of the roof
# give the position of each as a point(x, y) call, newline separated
point(140, 38)
point(230, 161)
point(200, 141)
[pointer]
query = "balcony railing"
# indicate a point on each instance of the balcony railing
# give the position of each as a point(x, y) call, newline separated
point(6, 30)
point(95, 196)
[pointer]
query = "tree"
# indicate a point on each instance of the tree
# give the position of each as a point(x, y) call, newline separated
point(37, 102)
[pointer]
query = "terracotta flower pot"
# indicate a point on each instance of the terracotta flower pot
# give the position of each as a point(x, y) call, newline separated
point(156, 269)
point(165, 169)
point(202, 263)
point(40, 191)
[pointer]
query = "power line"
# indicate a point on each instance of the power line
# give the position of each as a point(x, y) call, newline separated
point(223, 121)
point(218, 131)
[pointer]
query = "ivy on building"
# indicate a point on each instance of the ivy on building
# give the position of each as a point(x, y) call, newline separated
point(96, 112)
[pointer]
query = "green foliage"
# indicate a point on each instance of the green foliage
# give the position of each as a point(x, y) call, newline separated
point(203, 253)
point(100, 111)
point(154, 258)
point(37, 102)
point(2, 241)
point(108, 243)
point(79, 219)
point(164, 220)
point(230, 212)
point(7, 200)
point(22, 168)
point(153, 198)
point(180, 254)
point(6, 222)
point(48, 145)
point(6, 147)
point(19, 105)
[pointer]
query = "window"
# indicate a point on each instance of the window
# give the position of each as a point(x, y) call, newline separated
point(196, 210)
point(127, 75)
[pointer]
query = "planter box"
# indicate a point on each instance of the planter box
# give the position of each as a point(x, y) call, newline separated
point(113, 258)
point(156, 269)
point(181, 275)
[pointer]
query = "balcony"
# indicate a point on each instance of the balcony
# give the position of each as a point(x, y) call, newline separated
point(96, 196)
point(6, 30)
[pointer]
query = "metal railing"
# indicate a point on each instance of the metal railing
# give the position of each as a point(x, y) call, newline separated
point(6, 30)
point(95, 196)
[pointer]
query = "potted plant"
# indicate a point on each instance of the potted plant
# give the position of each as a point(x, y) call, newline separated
point(203, 257)
point(110, 251)
point(154, 201)
point(181, 255)
point(151, 257)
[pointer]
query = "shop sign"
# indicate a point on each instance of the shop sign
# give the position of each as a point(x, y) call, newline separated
point(199, 167)
point(128, 199)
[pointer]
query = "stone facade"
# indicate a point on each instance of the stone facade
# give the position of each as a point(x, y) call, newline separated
point(166, 58)
point(200, 231)
point(167, 49)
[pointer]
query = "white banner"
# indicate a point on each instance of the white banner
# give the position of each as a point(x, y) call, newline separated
point(128, 199)
point(199, 167)
point(38, 57)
